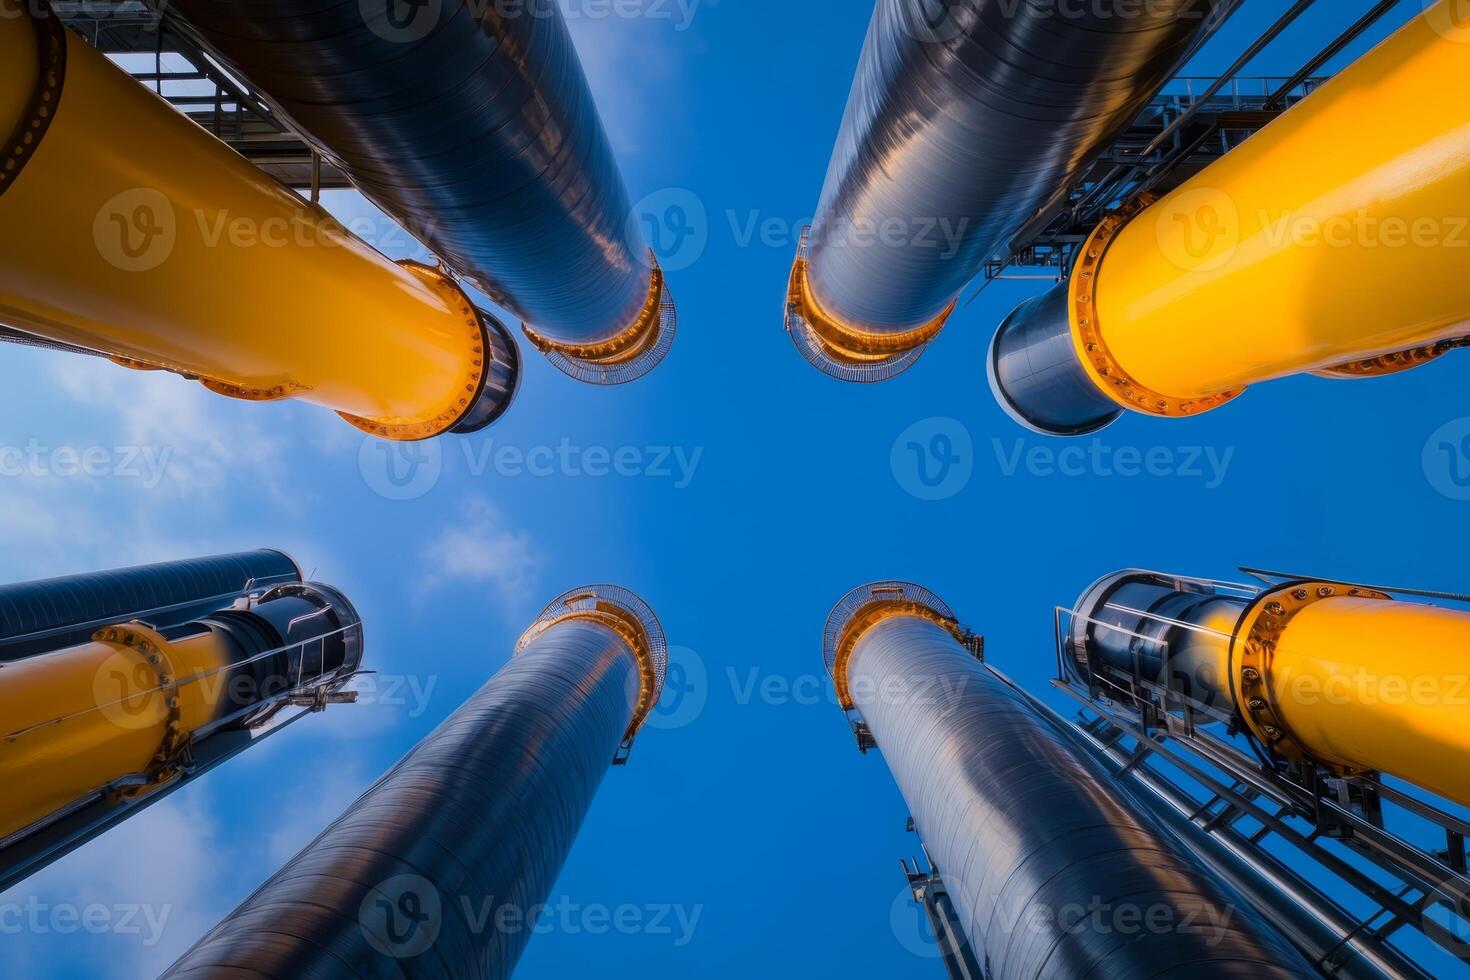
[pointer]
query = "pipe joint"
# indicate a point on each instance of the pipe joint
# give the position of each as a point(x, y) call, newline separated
point(840, 350)
point(625, 614)
point(35, 119)
point(1050, 365)
point(484, 392)
point(867, 606)
point(627, 356)
point(1253, 651)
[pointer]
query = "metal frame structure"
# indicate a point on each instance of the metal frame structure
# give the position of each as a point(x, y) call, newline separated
point(198, 87)
point(1192, 123)
point(34, 846)
point(1361, 829)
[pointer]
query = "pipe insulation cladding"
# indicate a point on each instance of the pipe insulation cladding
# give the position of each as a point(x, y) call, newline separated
point(1343, 675)
point(1332, 242)
point(1055, 871)
point(439, 868)
point(128, 230)
point(964, 120)
point(37, 617)
point(473, 126)
point(92, 731)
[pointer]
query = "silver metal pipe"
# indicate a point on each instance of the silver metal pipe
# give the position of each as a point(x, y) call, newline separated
point(441, 867)
point(1054, 871)
point(965, 117)
point(1165, 630)
point(473, 126)
point(37, 617)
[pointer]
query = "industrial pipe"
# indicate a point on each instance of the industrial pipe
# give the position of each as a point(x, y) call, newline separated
point(1312, 248)
point(964, 120)
point(37, 617)
point(440, 868)
point(494, 155)
point(130, 231)
point(1341, 675)
point(93, 731)
point(1054, 871)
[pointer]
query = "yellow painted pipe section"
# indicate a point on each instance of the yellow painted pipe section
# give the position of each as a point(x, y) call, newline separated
point(1340, 232)
point(134, 232)
point(74, 720)
point(1371, 685)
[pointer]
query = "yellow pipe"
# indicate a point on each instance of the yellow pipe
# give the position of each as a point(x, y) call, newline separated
point(1335, 241)
point(128, 230)
point(1359, 682)
point(78, 719)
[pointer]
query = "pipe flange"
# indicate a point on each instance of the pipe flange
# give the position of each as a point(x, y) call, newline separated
point(625, 614)
point(155, 651)
point(1394, 363)
point(471, 385)
point(1092, 349)
point(865, 607)
point(21, 145)
point(628, 356)
point(1253, 650)
point(844, 352)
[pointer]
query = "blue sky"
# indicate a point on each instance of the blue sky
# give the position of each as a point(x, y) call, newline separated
point(765, 491)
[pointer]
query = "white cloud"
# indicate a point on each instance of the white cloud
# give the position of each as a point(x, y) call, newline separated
point(480, 548)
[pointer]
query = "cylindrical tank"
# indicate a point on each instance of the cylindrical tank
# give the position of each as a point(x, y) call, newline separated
point(494, 156)
point(92, 729)
point(964, 120)
point(128, 230)
point(1311, 248)
point(36, 617)
point(1055, 872)
point(439, 868)
point(1339, 674)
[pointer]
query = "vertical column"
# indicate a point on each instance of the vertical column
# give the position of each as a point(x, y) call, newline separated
point(1053, 870)
point(439, 868)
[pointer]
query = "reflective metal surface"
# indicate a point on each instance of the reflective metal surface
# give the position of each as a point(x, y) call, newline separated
point(470, 124)
point(1054, 871)
point(1036, 377)
point(964, 118)
point(435, 869)
point(1162, 629)
point(36, 617)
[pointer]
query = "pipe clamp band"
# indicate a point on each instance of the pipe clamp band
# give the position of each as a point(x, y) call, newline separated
point(41, 111)
point(1087, 334)
point(1253, 651)
point(628, 356)
point(155, 650)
